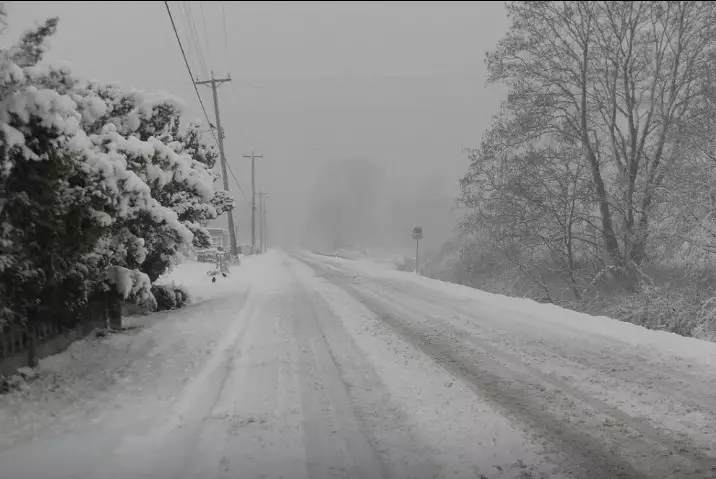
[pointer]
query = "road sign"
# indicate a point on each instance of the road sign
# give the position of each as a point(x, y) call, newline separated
point(417, 236)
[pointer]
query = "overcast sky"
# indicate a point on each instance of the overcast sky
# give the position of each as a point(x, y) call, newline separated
point(402, 83)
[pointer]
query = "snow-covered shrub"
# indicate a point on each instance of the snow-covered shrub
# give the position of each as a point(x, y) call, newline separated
point(130, 283)
point(164, 296)
point(706, 325)
point(12, 383)
point(51, 219)
point(170, 296)
point(182, 296)
point(99, 186)
point(174, 163)
point(660, 308)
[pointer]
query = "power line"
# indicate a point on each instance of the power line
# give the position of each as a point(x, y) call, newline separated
point(188, 68)
point(193, 38)
point(199, 51)
point(206, 38)
point(238, 185)
point(226, 37)
point(196, 89)
point(192, 25)
point(192, 45)
point(235, 180)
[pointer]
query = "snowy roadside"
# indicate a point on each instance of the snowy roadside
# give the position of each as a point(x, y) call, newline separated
point(658, 384)
point(527, 310)
point(382, 258)
point(98, 377)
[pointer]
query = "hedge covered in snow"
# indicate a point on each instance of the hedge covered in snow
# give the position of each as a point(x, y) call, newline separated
point(100, 186)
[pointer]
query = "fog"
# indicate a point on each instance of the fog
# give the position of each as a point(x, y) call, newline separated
point(395, 91)
point(356, 203)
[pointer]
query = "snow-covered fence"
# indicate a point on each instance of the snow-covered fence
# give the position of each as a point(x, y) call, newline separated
point(12, 341)
point(21, 347)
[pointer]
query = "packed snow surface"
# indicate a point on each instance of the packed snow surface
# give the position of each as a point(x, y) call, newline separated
point(304, 366)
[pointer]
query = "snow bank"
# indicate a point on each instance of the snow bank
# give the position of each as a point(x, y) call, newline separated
point(548, 314)
point(193, 276)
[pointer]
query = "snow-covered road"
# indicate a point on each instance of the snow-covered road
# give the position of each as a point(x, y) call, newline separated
point(311, 367)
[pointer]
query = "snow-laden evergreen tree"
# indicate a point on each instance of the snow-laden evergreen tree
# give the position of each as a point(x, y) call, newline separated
point(207, 155)
point(59, 196)
point(175, 164)
point(99, 186)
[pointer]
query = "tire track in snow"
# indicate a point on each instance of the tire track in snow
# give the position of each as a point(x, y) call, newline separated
point(169, 450)
point(258, 430)
point(495, 381)
point(677, 382)
point(614, 365)
point(382, 422)
point(336, 444)
point(460, 432)
point(695, 460)
point(642, 449)
point(286, 412)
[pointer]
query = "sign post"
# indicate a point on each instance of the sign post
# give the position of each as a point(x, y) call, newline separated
point(417, 236)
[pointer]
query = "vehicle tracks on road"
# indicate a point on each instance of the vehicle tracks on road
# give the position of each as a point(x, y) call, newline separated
point(601, 440)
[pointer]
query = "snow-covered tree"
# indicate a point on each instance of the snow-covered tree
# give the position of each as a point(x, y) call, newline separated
point(3, 14)
point(99, 186)
point(191, 207)
point(174, 163)
point(624, 81)
point(57, 195)
point(207, 155)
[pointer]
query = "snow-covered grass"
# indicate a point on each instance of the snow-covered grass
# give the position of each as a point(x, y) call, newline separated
point(536, 313)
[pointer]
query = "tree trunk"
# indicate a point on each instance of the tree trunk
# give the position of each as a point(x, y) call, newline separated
point(572, 279)
point(610, 238)
point(611, 243)
point(638, 246)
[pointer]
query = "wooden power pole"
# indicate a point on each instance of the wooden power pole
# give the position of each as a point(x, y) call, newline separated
point(253, 157)
point(265, 226)
point(214, 83)
point(262, 221)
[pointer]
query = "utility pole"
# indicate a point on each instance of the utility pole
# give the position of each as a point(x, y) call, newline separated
point(265, 227)
point(214, 83)
point(253, 197)
point(262, 221)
